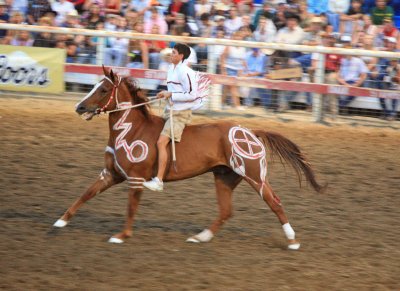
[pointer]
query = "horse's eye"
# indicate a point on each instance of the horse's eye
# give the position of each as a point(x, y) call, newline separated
point(103, 91)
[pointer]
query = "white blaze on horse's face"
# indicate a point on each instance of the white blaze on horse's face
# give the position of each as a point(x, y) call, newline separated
point(89, 104)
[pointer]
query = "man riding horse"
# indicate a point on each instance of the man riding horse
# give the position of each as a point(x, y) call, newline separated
point(182, 93)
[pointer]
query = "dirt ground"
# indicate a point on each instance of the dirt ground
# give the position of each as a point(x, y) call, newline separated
point(349, 235)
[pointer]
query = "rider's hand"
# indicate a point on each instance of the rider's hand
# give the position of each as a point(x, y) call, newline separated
point(164, 94)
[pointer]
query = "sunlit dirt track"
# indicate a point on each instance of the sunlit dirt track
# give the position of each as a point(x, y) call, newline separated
point(349, 235)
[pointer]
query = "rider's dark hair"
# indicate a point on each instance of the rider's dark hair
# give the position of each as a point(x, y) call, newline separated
point(183, 49)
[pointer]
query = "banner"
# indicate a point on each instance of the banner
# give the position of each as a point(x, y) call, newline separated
point(32, 69)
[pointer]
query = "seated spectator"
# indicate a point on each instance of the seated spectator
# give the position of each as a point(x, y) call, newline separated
point(380, 12)
point(16, 17)
point(352, 72)
point(180, 26)
point(88, 47)
point(305, 16)
point(93, 17)
point(132, 17)
point(292, 33)
point(267, 12)
point(71, 50)
point(266, 30)
point(72, 20)
point(116, 50)
point(155, 19)
point(22, 38)
point(112, 7)
point(367, 29)
point(350, 21)
point(155, 47)
point(201, 7)
point(138, 55)
point(62, 8)
point(37, 9)
point(389, 30)
point(175, 8)
point(219, 25)
point(233, 63)
point(44, 39)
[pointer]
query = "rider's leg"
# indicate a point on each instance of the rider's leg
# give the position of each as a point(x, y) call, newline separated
point(162, 144)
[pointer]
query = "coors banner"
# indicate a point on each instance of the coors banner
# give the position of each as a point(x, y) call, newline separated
point(32, 69)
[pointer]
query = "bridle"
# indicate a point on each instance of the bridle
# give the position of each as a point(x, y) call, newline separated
point(114, 94)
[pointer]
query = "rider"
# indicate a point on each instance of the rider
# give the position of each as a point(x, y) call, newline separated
point(182, 92)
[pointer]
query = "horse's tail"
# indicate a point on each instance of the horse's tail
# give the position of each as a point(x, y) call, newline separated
point(290, 152)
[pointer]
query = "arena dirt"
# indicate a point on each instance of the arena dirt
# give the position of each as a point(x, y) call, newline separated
point(349, 235)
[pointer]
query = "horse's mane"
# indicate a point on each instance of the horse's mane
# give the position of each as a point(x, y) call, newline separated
point(137, 95)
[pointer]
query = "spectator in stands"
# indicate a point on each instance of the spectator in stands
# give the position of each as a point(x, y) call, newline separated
point(305, 16)
point(112, 7)
point(234, 22)
point(4, 18)
point(72, 20)
point(16, 17)
point(201, 49)
point(44, 39)
point(352, 72)
point(78, 5)
point(219, 25)
point(138, 56)
point(267, 12)
point(367, 29)
point(155, 19)
point(280, 19)
point(266, 30)
point(391, 81)
point(380, 12)
point(180, 27)
point(37, 9)
point(71, 50)
point(93, 17)
point(140, 6)
point(389, 30)
point(337, 8)
point(332, 65)
point(19, 5)
point(22, 38)
point(233, 63)
point(203, 6)
point(175, 8)
point(292, 33)
point(155, 47)
point(350, 21)
point(317, 7)
point(256, 63)
point(116, 50)
point(132, 17)
point(62, 7)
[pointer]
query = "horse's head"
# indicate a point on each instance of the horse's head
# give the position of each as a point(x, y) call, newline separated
point(103, 96)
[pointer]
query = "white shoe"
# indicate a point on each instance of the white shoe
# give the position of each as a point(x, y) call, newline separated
point(154, 184)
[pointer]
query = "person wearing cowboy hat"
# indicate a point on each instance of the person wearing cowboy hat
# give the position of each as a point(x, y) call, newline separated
point(292, 33)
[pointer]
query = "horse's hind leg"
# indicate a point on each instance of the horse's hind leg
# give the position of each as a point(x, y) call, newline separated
point(225, 183)
point(107, 178)
point(275, 204)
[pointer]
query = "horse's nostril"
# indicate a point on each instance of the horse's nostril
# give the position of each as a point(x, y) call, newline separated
point(81, 109)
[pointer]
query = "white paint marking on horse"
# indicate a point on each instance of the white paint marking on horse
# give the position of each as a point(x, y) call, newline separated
point(115, 240)
point(294, 247)
point(120, 141)
point(60, 223)
point(90, 93)
point(204, 236)
point(253, 149)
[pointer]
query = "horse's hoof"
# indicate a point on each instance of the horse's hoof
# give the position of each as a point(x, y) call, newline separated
point(115, 240)
point(204, 236)
point(60, 223)
point(294, 247)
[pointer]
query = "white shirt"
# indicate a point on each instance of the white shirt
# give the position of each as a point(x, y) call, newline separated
point(62, 8)
point(182, 83)
point(285, 35)
point(351, 69)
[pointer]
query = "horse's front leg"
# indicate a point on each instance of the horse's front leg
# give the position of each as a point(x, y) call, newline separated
point(133, 204)
point(107, 178)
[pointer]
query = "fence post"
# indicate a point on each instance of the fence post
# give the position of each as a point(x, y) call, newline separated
point(214, 100)
point(318, 101)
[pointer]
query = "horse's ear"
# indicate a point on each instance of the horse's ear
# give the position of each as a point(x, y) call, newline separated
point(105, 71)
point(112, 75)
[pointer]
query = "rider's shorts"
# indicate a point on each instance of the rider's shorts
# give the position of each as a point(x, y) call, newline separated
point(181, 118)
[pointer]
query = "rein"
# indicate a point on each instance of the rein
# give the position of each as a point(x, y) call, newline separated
point(115, 93)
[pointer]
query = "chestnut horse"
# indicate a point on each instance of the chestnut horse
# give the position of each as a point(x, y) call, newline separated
point(232, 153)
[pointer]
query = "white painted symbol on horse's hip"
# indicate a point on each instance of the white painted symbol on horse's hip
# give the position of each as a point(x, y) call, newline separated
point(120, 141)
point(245, 143)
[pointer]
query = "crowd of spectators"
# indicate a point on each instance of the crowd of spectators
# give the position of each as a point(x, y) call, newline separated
point(368, 24)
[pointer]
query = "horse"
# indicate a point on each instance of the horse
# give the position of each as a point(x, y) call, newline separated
point(231, 152)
